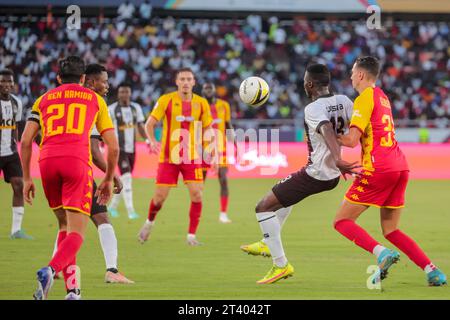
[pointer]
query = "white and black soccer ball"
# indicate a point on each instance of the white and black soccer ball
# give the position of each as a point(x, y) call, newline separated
point(254, 91)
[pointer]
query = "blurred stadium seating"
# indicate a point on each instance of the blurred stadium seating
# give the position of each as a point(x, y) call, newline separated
point(415, 55)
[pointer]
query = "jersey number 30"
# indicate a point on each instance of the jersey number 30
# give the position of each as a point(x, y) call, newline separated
point(71, 126)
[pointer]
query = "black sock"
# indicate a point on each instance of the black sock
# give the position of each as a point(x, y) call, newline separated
point(113, 270)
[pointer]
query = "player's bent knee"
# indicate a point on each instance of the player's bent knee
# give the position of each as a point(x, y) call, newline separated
point(100, 218)
point(17, 185)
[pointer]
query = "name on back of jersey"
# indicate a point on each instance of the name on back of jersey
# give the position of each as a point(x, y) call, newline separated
point(338, 107)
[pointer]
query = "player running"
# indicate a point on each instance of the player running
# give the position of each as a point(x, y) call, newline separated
point(325, 116)
point(384, 177)
point(126, 116)
point(66, 116)
point(184, 114)
point(220, 112)
point(10, 115)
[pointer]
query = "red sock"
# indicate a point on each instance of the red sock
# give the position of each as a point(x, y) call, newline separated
point(356, 234)
point(223, 203)
point(70, 275)
point(61, 236)
point(409, 247)
point(153, 210)
point(194, 216)
point(70, 282)
point(67, 251)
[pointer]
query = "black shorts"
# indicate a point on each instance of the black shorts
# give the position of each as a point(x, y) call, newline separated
point(299, 185)
point(11, 167)
point(96, 208)
point(126, 162)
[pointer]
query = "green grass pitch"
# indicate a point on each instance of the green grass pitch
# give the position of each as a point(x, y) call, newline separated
point(327, 266)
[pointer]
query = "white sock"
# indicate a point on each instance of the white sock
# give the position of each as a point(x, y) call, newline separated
point(127, 192)
point(282, 215)
point(108, 241)
point(429, 267)
point(115, 201)
point(377, 250)
point(18, 213)
point(270, 227)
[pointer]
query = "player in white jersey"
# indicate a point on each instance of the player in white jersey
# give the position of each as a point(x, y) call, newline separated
point(10, 115)
point(126, 116)
point(326, 116)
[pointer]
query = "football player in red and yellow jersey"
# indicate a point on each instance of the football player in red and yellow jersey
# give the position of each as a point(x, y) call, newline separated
point(383, 180)
point(66, 115)
point(220, 112)
point(185, 117)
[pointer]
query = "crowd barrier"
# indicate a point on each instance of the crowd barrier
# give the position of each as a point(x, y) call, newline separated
point(426, 161)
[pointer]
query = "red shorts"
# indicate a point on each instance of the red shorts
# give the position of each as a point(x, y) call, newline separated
point(67, 183)
point(382, 190)
point(168, 173)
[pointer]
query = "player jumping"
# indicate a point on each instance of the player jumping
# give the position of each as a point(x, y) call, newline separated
point(325, 116)
point(66, 116)
point(184, 114)
point(220, 112)
point(10, 115)
point(383, 181)
point(126, 116)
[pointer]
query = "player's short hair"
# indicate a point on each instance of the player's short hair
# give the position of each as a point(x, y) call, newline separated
point(71, 69)
point(94, 69)
point(6, 72)
point(184, 70)
point(124, 85)
point(319, 74)
point(370, 64)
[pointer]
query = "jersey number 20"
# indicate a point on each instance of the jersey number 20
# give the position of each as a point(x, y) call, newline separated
point(69, 126)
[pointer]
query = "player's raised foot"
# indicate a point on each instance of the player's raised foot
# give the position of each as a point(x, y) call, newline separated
point(223, 218)
point(133, 216)
point(114, 276)
point(277, 273)
point(45, 282)
point(192, 240)
point(74, 294)
point(257, 249)
point(113, 212)
point(20, 234)
point(436, 278)
point(386, 259)
point(145, 231)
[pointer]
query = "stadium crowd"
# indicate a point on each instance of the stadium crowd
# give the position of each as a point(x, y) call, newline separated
point(145, 52)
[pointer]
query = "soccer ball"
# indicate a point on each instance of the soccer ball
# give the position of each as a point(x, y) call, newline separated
point(254, 91)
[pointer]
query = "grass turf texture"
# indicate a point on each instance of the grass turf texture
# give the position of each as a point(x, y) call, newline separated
point(327, 266)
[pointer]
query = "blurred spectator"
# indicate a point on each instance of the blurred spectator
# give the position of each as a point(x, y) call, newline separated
point(145, 10)
point(125, 11)
point(415, 57)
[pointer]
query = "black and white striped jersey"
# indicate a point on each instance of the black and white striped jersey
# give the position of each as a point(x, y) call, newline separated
point(336, 109)
point(125, 120)
point(10, 114)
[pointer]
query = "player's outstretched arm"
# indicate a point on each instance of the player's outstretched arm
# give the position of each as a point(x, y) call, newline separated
point(104, 190)
point(150, 134)
point(99, 162)
point(30, 132)
point(351, 139)
point(329, 135)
